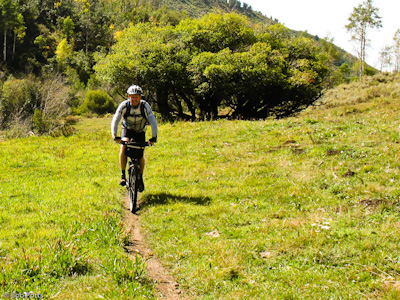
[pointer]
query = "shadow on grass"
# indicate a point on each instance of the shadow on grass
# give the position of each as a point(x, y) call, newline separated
point(165, 198)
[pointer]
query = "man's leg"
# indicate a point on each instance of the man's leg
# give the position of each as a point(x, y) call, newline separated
point(122, 162)
point(125, 135)
point(140, 181)
point(142, 165)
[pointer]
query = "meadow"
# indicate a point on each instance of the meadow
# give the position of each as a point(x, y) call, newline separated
point(301, 208)
point(62, 235)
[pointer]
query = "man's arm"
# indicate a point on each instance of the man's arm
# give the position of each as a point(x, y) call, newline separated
point(116, 118)
point(152, 120)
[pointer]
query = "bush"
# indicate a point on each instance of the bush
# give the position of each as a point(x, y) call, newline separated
point(98, 102)
point(39, 123)
point(19, 99)
point(34, 103)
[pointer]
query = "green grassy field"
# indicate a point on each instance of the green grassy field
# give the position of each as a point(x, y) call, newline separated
point(302, 208)
point(62, 235)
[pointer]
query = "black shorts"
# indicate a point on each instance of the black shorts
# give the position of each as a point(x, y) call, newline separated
point(139, 137)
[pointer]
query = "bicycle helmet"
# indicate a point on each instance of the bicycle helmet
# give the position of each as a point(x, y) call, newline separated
point(134, 90)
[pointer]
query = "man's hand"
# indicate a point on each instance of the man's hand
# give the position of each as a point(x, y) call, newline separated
point(153, 140)
point(116, 139)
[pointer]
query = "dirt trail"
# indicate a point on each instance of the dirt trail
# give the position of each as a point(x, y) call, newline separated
point(165, 284)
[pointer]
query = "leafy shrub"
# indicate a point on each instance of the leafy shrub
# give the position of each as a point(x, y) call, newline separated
point(38, 122)
point(19, 99)
point(34, 104)
point(98, 102)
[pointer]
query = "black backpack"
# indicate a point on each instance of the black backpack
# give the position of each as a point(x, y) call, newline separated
point(142, 112)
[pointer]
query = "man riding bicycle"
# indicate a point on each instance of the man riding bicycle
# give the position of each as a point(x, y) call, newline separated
point(136, 114)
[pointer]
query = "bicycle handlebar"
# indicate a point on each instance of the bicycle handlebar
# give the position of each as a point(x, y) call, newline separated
point(132, 143)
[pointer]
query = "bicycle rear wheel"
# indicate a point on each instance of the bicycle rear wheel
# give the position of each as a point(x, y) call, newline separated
point(132, 190)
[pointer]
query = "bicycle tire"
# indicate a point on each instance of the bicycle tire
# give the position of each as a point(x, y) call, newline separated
point(132, 190)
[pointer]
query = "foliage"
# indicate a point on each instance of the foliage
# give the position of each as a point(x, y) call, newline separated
point(98, 102)
point(46, 101)
point(215, 32)
point(217, 60)
point(33, 29)
point(39, 123)
point(18, 100)
point(63, 51)
point(10, 19)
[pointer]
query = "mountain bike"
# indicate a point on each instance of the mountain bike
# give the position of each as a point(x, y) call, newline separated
point(134, 151)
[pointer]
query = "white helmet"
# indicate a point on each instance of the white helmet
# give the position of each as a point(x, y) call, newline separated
point(134, 90)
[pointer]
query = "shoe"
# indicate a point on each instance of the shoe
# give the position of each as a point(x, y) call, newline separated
point(122, 182)
point(140, 183)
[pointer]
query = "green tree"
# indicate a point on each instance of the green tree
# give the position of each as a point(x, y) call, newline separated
point(363, 17)
point(64, 50)
point(157, 58)
point(92, 26)
point(201, 65)
point(68, 28)
point(215, 32)
point(343, 74)
point(98, 102)
point(9, 20)
point(19, 32)
point(212, 76)
point(154, 58)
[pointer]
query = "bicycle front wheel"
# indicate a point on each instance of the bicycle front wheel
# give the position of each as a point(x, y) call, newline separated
point(132, 191)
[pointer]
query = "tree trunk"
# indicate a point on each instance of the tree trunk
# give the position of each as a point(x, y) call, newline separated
point(162, 103)
point(189, 105)
point(5, 44)
point(14, 42)
point(86, 41)
point(364, 43)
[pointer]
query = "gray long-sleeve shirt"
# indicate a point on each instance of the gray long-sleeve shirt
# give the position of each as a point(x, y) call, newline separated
point(134, 121)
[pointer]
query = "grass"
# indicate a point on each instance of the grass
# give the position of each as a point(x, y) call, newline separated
point(291, 223)
point(302, 208)
point(61, 232)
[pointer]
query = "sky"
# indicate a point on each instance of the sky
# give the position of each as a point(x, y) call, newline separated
point(329, 18)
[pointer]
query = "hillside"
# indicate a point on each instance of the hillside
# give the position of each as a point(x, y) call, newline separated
point(198, 8)
point(371, 93)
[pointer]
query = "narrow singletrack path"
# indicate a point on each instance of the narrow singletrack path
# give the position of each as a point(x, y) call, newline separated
point(167, 287)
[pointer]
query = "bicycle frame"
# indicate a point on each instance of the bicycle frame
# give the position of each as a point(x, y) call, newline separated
point(133, 173)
